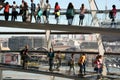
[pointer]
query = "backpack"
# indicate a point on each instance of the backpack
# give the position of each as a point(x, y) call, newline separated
point(40, 12)
point(110, 14)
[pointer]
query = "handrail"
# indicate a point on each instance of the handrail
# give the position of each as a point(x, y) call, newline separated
point(17, 33)
point(65, 52)
point(77, 11)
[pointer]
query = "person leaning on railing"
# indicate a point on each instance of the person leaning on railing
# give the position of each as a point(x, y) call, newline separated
point(70, 13)
point(57, 12)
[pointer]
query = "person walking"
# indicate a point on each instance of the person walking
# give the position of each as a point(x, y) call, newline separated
point(14, 12)
point(81, 17)
point(82, 64)
point(33, 8)
point(70, 13)
point(57, 12)
point(51, 57)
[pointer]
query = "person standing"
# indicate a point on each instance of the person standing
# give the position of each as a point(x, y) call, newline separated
point(25, 57)
point(39, 13)
point(82, 63)
point(81, 17)
point(51, 57)
point(14, 12)
point(71, 63)
point(58, 60)
point(46, 11)
point(21, 8)
point(114, 11)
point(98, 64)
point(70, 13)
point(25, 12)
point(33, 13)
point(6, 11)
point(57, 12)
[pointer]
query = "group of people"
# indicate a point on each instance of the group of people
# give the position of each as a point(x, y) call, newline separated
point(42, 9)
point(56, 57)
point(81, 63)
point(24, 11)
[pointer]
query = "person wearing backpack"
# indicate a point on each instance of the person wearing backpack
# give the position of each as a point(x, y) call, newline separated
point(39, 13)
point(14, 12)
point(113, 13)
point(33, 8)
point(82, 63)
point(70, 13)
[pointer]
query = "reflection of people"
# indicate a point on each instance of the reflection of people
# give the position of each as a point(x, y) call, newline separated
point(58, 60)
point(50, 56)
point(98, 64)
point(25, 57)
point(71, 63)
point(82, 63)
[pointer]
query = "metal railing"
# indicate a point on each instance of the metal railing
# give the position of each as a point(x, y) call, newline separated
point(102, 15)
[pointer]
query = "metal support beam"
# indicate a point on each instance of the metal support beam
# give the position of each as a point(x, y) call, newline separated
point(42, 4)
point(48, 39)
point(93, 13)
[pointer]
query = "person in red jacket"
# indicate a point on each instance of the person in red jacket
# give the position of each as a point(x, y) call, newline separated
point(114, 11)
point(57, 12)
point(6, 11)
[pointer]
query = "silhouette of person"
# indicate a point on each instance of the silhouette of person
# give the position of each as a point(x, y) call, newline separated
point(50, 56)
point(33, 13)
point(70, 13)
point(25, 57)
point(57, 12)
point(82, 11)
point(114, 11)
